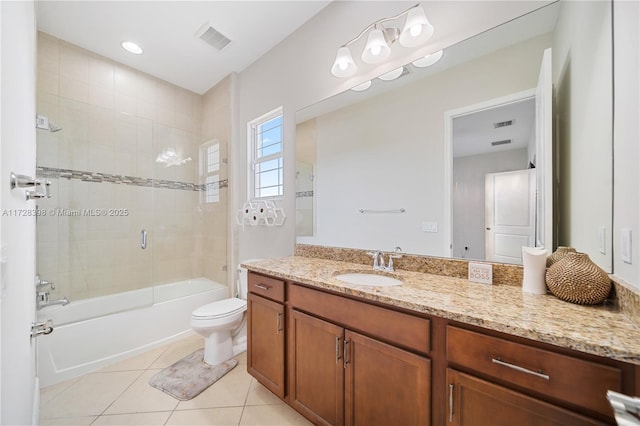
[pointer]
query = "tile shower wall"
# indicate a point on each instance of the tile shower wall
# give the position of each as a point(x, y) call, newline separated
point(115, 121)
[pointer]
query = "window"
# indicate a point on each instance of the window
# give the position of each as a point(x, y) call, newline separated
point(266, 155)
point(210, 171)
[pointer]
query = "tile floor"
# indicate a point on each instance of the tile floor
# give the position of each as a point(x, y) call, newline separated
point(121, 395)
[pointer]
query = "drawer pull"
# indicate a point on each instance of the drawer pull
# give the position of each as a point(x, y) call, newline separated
point(278, 323)
point(337, 349)
point(520, 369)
point(262, 286)
point(450, 403)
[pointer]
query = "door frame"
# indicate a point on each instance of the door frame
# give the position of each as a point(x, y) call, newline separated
point(448, 152)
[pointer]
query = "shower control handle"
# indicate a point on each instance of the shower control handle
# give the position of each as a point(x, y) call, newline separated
point(143, 239)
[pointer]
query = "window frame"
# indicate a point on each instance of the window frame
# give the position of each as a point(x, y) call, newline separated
point(253, 160)
point(205, 174)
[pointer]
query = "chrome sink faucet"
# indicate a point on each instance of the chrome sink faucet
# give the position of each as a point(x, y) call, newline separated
point(378, 260)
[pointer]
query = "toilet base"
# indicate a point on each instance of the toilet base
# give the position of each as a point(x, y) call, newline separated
point(218, 348)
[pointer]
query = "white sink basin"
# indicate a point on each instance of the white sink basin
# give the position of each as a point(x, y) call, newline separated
point(364, 278)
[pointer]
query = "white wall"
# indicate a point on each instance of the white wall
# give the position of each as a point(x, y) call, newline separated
point(17, 241)
point(468, 197)
point(296, 74)
point(582, 78)
point(626, 16)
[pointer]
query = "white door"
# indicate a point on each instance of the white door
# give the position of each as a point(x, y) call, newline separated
point(544, 156)
point(19, 389)
point(509, 214)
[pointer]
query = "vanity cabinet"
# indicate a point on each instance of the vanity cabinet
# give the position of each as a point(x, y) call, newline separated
point(343, 372)
point(266, 332)
point(357, 362)
point(510, 369)
point(477, 402)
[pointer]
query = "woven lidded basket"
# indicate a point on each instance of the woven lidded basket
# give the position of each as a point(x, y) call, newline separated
point(575, 278)
point(559, 254)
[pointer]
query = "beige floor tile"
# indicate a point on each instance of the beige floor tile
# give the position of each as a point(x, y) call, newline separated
point(68, 421)
point(89, 395)
point(141, 397)
point(137, 362)
point(230, 391)
point(242, 358)
point(259, 395)
point(268, 415)
point(178, 350)
point(138, 419)
point(209, 416)
point(50, 392)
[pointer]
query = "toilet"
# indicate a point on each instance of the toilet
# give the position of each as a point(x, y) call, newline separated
point(223, 324)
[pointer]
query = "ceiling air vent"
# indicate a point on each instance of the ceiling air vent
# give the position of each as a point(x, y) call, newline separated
point(212, 36)
point(504, 142)
point(503, 124)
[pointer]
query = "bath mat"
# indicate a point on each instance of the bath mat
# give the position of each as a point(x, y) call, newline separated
point(187, 378)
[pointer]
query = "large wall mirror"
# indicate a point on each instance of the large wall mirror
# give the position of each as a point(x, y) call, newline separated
point(416, 162)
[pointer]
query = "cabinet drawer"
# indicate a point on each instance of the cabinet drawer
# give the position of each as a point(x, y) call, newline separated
point(391, 326)
point(268, 287)
point(576, 381)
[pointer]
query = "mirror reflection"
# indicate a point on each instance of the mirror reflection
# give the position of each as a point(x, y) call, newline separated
point(406, 162)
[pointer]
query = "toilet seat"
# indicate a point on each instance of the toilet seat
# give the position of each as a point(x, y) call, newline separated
point(221, 308)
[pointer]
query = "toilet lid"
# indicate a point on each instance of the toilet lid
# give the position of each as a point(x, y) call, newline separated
point(221, 308)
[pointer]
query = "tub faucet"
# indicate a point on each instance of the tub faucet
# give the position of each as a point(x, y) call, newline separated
point(42, 300)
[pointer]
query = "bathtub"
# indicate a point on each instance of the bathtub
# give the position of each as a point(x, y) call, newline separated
point(92, 333)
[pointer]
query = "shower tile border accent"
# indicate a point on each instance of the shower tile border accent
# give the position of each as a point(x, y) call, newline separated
point(304, 194)
point(624, 296)
point(55, 173)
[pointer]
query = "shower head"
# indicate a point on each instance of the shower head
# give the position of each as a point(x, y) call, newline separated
point(53, 127)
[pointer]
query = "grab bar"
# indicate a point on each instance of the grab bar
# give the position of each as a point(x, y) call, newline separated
point(143, 239)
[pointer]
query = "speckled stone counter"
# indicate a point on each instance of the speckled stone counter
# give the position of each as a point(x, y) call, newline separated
point(598, 330)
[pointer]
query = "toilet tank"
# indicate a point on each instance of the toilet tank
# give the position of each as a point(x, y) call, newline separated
point(243, 280)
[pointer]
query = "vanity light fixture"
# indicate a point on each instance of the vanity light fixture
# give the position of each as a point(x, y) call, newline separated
point(362, 86)
point(392, 75)
point(416, 31)
point(428, 60)
point(132, 47)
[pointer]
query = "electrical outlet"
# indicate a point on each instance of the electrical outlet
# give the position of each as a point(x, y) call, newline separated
point(481, 273)
point(626, 241)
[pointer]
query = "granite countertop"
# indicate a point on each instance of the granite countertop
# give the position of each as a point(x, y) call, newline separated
point(598, 330)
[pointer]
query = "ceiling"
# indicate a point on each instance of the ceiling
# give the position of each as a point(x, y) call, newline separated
point(473, 133)
point(166, 30)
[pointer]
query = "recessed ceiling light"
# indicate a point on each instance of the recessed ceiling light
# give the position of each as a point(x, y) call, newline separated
point(132, 47)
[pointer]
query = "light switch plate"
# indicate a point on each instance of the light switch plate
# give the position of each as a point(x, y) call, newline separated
point(481, 273)
point(429, 226)
point(626, 242)
point(602, 238)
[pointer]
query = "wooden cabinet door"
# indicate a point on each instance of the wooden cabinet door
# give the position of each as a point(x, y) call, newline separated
point(476, 402)
point(385, 385)
point(266, 343)
point(316, 376)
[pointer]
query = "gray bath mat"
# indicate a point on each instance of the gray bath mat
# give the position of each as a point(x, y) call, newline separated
point(187, 378)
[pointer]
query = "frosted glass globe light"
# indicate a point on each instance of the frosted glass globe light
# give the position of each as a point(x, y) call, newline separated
point(417, 28)
point(343, 66)
point(377, 49)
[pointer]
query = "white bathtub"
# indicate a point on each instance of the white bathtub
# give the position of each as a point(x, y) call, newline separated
point(92, 333)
